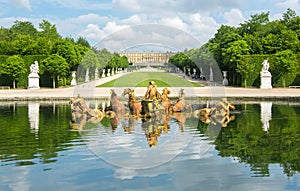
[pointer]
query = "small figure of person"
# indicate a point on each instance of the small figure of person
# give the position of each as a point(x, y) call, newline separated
point(152, 93)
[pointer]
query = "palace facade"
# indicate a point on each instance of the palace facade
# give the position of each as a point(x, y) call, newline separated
point(152, 58)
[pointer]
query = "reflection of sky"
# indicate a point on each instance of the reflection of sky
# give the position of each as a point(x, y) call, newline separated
point(79, 169)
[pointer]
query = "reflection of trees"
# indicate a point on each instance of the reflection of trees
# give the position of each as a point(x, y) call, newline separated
point(245, 139)
point(18, 143)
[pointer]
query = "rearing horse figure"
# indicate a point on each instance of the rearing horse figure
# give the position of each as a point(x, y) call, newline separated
point(134, 106)
point(180, 104)
point(115, 103)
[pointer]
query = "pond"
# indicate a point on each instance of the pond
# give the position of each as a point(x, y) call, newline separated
point(257, 150)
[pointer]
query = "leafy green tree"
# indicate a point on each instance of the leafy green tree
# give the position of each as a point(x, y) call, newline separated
point(254, 43)
point(24, 28)
point(56, 65)
point(83, 42)
point(14, 68)
point(90, 63)
point(286, 68)
point(67, 50)
point(49, 32)
point(248, 69)
point(255, 23)
point(23, 45)
point(288, 17)
point(182, 61)
point(233, 54)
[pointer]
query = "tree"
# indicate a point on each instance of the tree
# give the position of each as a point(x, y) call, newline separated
point(286, 68)
point(182, 61)
point(49, 31)
point(23, 45)
point(24, 28)
point(14, 68)
point(255, 23)
point(288, 16)
point(67, 50)
point(248, 70)
point(83, 42)
point(56, 65)
point(90, 61)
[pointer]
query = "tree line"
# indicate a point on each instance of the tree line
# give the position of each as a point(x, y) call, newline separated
point(241, 50)
point(22, 44)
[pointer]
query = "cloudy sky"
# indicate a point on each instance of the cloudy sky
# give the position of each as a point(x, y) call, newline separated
point(95, 19)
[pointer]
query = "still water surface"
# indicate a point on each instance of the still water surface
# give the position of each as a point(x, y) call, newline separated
point(258, 150)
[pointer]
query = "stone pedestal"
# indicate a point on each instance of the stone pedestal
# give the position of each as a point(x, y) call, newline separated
point(33, 81)
point(265, 80)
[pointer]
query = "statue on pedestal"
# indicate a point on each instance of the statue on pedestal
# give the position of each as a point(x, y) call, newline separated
point(225, 80)
point(73, 81)
point(265, 76)
point(33, 77)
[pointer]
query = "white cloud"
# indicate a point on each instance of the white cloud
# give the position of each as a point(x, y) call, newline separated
point(203, 27)
point(134, 20)
point(7, 22)
point(92, 32)
point(234, 17)
point(23, 3)
point(78, 4)
point(293, 4)
point(89, 18)
point(174, 22)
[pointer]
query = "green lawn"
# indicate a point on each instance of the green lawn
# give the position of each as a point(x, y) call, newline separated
point(141, 79)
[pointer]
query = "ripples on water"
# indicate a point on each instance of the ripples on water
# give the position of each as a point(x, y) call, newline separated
point(259, 150)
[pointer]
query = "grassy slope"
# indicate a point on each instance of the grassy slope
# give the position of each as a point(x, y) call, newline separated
point(141, 79)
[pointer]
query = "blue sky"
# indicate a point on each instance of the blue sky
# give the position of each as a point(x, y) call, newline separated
point(96, 19)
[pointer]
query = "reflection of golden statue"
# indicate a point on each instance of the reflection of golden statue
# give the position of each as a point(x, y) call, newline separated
point(219, 114)
point(81, 113)
point(152, 133)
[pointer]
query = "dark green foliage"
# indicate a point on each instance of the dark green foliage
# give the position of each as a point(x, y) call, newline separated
point(246, 140)
point(14, 68)
point(241, 50)
point(30, 44)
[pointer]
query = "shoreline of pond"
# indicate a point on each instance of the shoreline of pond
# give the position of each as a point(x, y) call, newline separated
point(202, 93)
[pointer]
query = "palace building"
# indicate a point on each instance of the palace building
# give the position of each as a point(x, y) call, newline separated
point(148, 58)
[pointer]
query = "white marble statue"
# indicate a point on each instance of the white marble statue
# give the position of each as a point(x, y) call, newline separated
point(266, 76)
point(73, 81)
point(33, 77)
point(34, 68)
point(265, 65)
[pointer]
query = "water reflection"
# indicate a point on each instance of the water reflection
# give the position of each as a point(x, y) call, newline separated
point(266, 114)
point(34, 132)
point(33, 115)
point(262, 135)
